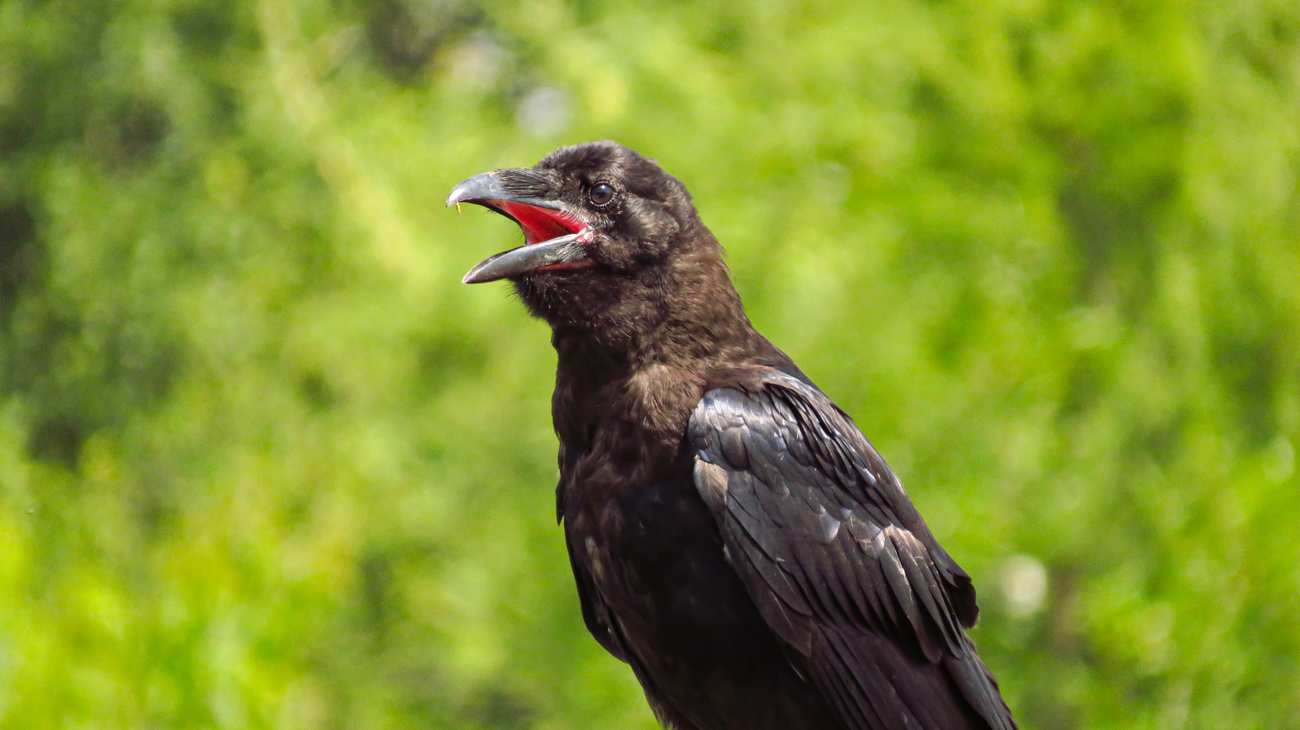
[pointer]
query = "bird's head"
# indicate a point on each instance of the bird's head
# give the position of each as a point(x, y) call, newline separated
point(603, 227)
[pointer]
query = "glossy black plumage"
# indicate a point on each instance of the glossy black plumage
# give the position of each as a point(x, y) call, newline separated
point(733, 536)
point(835, 557)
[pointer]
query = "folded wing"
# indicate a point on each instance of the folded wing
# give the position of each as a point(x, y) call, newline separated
point(838, 561)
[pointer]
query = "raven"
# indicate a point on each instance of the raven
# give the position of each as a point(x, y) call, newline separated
point(733, 535)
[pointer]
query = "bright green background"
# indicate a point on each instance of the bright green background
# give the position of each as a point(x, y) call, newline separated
point(264, 462)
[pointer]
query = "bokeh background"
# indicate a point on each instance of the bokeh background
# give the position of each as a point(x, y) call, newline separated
point(265, 463)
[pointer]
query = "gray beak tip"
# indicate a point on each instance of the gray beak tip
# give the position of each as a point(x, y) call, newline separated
point(486, 186)
point(456, 196)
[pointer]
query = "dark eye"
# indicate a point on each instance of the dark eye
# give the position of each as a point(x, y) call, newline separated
point(600, 193)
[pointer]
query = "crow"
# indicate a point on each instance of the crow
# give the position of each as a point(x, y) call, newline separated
point(733, 535)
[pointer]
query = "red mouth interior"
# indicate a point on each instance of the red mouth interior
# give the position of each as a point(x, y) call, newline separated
point(539, 224)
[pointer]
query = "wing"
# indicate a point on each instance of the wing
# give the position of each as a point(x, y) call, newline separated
point(837, 559)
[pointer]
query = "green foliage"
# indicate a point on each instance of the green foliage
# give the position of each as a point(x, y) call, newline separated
point(265, 463)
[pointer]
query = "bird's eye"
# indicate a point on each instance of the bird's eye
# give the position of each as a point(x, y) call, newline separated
point(600, 193)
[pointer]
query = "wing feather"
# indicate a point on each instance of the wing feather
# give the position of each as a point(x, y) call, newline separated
point(838, 561)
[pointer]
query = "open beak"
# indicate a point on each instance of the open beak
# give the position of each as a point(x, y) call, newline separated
point(554, 239)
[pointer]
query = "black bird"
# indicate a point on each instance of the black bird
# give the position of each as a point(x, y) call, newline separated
point(733, 535)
